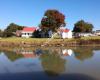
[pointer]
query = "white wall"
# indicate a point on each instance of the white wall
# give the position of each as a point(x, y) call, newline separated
point(67, 35)
point(27, 34)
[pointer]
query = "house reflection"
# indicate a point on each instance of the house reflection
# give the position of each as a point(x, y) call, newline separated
point(27, 53)
point(67, 52)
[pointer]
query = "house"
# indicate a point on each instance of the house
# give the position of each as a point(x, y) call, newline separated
point(83, 34)
point(18, 33)
point(28, 31)
point(97, 32)
point(65, 33)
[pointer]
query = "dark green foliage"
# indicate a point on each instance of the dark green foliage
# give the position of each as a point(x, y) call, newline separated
point(36, 34)
point(8, 32)
point(13, 56)
point(83, 53)
point(1, 33)
point(82, 26)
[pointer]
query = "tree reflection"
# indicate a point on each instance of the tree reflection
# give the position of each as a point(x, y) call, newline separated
point(13, 56)
point(52, 63)
point(83, 53)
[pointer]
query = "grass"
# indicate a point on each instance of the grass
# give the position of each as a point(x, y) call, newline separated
point(19, 39)
point(16, 39)
point(90, 37)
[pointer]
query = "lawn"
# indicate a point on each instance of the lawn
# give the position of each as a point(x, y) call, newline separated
point(90, 37)
point(41, 40)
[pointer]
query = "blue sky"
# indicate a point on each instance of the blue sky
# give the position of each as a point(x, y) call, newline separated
point(30, 12)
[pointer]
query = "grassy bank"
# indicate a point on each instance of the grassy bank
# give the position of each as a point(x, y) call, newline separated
point(14, 41)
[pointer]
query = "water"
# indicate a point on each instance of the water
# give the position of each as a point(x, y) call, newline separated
point(77, 63)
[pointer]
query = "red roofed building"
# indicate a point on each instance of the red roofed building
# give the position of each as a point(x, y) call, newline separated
point(66, 30)
point(28, 31)
point(65, 33)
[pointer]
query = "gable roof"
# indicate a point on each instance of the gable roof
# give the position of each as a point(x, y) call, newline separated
point(64, 30)
point(29, 29)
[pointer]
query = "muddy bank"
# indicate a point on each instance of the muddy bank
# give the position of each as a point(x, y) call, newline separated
point(79, 42)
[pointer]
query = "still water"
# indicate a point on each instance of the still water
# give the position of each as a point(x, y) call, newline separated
point(56, 63)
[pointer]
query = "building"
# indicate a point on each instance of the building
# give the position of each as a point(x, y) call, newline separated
point(18, 33)
point(65, 33)
point(97, 32)
point(27, 32)
point(83, 34)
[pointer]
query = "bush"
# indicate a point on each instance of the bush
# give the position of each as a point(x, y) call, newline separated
point(56, 36)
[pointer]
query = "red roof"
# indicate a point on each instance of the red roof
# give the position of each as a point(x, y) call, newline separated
point(29, 55)
point(29, 29)
point(64, 30)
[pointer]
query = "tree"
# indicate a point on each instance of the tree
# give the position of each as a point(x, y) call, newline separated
point(53, 19)
point(1, 33)
point(13, 56)
point(52, 63)
point(36, 34)
point(82, 26)
point(8, 32)
point(83, 53)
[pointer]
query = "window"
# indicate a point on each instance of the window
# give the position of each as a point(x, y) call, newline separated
point(28, 33)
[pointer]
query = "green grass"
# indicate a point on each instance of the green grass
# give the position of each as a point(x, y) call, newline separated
point(15, 39)
point(91, 37)
point(39, 40)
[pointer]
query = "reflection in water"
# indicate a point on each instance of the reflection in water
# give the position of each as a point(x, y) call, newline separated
point(83, 53)
point(52, 63)
point(66, 52)
point(37, 64)
point(12, 56)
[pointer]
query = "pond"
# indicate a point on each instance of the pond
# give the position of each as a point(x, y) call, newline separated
point(53, 63)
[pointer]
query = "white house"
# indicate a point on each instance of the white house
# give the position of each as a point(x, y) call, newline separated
point(85, 34)
point(97, 32)
point(27, 32)
point(65, 33)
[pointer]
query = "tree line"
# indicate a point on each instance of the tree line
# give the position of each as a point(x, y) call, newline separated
point(9, 31)
point(52, 20)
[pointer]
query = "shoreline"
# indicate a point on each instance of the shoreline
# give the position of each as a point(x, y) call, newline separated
point(52, 43)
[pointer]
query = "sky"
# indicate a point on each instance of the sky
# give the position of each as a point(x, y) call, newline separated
point(30, 12)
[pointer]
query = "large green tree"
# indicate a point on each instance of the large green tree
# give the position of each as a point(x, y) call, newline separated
point(82, 26)
point(53, 19)
point(8, 32)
